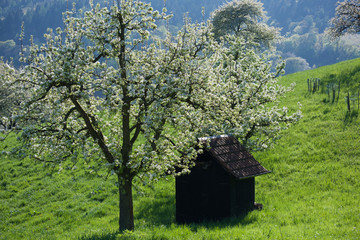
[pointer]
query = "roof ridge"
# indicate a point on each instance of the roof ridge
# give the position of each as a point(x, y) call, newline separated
point(214, 137)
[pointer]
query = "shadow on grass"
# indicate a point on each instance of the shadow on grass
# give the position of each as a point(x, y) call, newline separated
point(242, 220)
point(350, 117)
point(157, 211)
point(100, 236)
point(161, 211)
point(162, 220)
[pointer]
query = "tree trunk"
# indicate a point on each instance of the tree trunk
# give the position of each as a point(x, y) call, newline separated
point(126, 218)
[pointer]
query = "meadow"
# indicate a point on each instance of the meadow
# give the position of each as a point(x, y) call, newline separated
point(313, 191)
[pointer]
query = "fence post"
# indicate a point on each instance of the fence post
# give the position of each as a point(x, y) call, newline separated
point(338, 92)
point(314, 88)
point(348, 102)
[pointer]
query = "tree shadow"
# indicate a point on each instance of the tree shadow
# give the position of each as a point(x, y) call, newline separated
point(162, 212)
point(100, 236)
point(158, 211)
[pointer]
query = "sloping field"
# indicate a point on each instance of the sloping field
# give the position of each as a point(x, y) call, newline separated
point(313, 191)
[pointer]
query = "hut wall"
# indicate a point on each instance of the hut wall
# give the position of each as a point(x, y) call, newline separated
point(242, 195)
point(211, 193)
point(204, 194)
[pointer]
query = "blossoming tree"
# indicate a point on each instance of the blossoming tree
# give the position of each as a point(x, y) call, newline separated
point(346, 19)
point(104, 89)
point(6, 102)
point(245, 18)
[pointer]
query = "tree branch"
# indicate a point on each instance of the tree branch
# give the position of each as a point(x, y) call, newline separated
point(97, 136)
point(67, 115)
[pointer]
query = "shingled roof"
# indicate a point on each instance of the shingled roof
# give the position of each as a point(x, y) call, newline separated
point(233, 157)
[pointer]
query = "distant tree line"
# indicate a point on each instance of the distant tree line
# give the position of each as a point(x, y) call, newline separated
point(302, 24)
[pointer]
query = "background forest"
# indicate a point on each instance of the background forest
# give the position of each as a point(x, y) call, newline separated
point(303, 22)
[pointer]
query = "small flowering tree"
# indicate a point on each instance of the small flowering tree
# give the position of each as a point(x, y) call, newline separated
point(346, 19)
point(104, 89)
point(245, 18)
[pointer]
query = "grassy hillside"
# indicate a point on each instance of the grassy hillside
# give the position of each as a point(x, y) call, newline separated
point(312, 192)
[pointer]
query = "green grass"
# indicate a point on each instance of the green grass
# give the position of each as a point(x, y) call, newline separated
point(313, 191)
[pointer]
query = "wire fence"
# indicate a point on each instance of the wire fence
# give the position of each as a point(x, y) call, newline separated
point(333, 91)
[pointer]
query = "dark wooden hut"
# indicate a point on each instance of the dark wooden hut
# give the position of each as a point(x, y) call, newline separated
point(220, 185)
